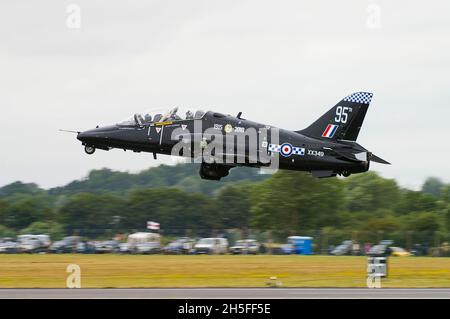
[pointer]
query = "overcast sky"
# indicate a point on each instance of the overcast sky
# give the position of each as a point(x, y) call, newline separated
point(279, 62)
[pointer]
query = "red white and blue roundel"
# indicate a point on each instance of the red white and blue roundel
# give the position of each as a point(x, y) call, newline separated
point(286, 149)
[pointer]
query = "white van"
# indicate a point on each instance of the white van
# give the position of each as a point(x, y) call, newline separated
point(142, 243)
point(33, 243)
point(211, 246)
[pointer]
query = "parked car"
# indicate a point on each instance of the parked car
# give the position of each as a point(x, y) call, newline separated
point(382, 249)
point(125, 248)
point(45, 240)
point(345, 248)
point(183, 245)
point(211, 246)
point(245, 246)
point(30, 246)
point(379, 250)
point(84, 247)
point(108, 246)
point(423, 249)
point(33, 243)
point(399, 252)
point(8, 246)
point(66, 245)
point(147, 248)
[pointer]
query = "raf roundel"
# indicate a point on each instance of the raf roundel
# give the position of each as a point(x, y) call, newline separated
point(286, 149)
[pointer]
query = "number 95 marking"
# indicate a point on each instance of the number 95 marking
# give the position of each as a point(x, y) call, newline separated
point(342, 114)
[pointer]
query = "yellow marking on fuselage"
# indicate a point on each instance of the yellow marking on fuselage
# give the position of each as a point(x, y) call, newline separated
point(163, 123)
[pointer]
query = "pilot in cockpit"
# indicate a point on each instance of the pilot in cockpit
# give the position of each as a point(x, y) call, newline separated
point(148, 118)
point(171, 115)
point(176, 117)
point(189, 115)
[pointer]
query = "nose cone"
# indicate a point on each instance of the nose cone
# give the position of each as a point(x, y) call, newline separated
point(97, 135)
point(86, 135)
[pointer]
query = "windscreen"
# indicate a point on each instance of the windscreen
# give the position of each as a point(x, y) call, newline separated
point(162, 115)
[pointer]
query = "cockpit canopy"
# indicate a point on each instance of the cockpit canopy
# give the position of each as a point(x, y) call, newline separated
point(160, 115)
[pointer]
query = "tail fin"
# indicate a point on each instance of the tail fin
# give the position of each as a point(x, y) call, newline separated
point(343, 121)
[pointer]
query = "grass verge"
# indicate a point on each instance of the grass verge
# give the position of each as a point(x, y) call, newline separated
point(138, 271)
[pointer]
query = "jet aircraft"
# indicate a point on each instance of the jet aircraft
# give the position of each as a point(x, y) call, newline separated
point(325, 148)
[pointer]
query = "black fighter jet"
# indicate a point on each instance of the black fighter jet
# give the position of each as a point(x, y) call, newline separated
point(220, 142)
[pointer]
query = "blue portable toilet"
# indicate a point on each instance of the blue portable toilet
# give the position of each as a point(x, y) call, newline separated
point(301, 245)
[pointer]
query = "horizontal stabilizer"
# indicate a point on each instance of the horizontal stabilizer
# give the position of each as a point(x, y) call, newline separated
point(374, 158)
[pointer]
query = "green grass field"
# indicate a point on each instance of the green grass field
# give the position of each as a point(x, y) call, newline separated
point(124, 271)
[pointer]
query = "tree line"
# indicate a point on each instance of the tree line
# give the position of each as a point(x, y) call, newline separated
point(366, 206)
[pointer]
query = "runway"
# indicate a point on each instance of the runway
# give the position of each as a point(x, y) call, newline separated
point(227, 293)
